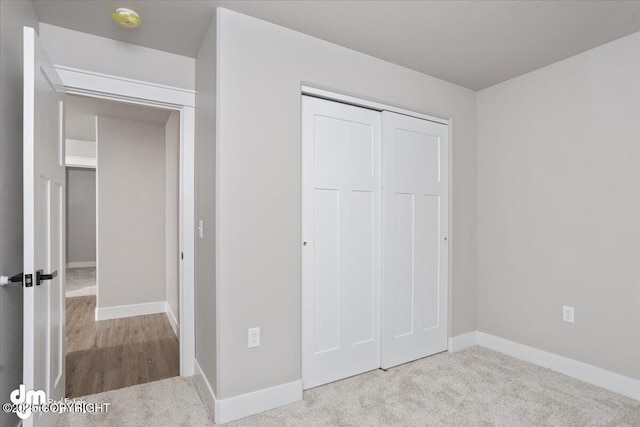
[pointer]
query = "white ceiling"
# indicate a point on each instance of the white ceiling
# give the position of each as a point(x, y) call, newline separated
point(472, 43)
point(81, 115)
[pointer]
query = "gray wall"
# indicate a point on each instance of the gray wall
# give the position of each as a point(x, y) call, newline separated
point(205, 304)
point(559, 207)
point(172, 210)
point(260, 70)
point(81, 215)
point(131, 212)
point(13, 15)
point(96, 53)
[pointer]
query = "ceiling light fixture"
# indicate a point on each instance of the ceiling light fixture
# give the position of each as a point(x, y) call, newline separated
point(126, 18)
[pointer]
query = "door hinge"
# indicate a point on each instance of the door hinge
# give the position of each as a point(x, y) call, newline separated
point(181, 255)
point(28, 280)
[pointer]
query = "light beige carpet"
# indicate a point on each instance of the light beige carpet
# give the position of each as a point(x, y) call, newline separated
point(80, 282)
point(475, 387)
point(170, 402)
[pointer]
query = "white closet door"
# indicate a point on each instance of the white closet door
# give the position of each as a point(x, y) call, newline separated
point(340, 230)
point(415, 224)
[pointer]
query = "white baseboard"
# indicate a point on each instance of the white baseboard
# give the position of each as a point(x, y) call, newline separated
point(626, 386)
point(463, 341)
point(175, 325)
point(81, 162)
point(119, 311)
point(255, 402)
point(234, 408)
point(81, 264)
point(204, 388)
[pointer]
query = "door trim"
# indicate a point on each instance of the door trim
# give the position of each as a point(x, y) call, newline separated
point(115, 88)
point(309, 90)
point(98, 85)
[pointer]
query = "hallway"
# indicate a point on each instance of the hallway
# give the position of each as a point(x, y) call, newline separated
point(117, 353)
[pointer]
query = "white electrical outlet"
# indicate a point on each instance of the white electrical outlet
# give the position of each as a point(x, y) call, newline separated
point(568, 314)
point(254, 337)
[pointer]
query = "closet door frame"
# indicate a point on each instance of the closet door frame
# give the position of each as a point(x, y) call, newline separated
point(373, 105)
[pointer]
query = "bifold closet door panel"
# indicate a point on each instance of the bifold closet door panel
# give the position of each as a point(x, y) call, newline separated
point(414, 232)
point(341, 241)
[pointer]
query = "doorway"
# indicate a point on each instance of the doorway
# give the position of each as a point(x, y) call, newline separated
point(122, 276)
point(45, 87)
point(375, 247)
point(80, 231)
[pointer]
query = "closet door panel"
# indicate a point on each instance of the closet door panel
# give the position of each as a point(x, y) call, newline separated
point(431, 238)
point(341, 241)
point(415, 251)
point(327, 295)
point(401, 263)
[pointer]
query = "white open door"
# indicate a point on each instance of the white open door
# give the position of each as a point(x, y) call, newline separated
point(340, 252)
point(415, 223)
point(44, 195)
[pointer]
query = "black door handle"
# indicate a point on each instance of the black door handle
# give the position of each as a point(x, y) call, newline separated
point(40, 277)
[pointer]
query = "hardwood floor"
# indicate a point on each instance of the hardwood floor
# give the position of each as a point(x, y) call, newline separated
point(116, 353)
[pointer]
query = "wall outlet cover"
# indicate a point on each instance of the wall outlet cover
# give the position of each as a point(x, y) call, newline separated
point(568, 314)
point(254, 337)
